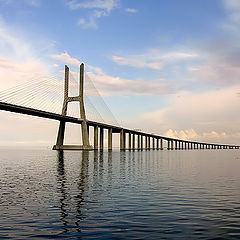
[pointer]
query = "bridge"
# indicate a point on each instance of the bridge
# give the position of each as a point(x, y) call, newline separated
point(137, 140)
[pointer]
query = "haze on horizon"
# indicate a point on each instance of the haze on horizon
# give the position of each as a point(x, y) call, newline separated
point(169, 67)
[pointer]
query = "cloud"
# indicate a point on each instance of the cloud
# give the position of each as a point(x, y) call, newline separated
point(65, 58)
point(106, 5)
point(33, 3)
point(131, 10)
point(137, 63)
point(98, 9)
point(191, 134)
point(232, 22)
point(18, 63)
point(156, 58)
point(211, 136)
point(109, 85)
point(202, 114)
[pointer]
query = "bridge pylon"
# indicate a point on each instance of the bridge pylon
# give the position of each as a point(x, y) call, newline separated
point(61, 131)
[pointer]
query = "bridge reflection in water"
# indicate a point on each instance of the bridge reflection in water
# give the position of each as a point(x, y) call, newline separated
point(150, 191)
point(119, 194)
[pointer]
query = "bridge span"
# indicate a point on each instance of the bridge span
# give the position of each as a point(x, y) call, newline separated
point(129, 139)
point(152, 141)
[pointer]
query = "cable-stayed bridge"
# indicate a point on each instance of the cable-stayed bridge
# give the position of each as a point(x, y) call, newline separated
point(44, 98)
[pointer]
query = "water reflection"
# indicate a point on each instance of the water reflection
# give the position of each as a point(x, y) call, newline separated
point(61, 178)
point(82, 184)
point(157, 192)
point(67, 197)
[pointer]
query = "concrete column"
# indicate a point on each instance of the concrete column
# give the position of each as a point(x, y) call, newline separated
point(110, 139)
point(157, 143)
point(133, 141)
point(149, 143)
point(85, 137)
point(122, 140)
point(139, 143)
point(176, 147)
point(153, 143)
point(172, 147)
point(168, 144)
point(161, 144)
point(146, 143)
point(101, 138)
point(95, 137)
point(129, 141)
point(185, 145)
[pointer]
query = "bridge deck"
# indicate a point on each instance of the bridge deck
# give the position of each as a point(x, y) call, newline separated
point(115, 129)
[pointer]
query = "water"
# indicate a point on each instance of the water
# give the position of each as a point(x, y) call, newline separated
point(120, 195)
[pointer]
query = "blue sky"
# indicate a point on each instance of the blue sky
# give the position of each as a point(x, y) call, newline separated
point(169, 66)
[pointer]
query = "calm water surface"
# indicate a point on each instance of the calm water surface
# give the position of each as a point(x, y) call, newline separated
point(120, 195)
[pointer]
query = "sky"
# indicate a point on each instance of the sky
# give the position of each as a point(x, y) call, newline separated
point(168, 67)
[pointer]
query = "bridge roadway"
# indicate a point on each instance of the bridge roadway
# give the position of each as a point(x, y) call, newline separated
point(115, 129)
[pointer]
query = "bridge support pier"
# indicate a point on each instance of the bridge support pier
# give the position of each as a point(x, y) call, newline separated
point(129, 141)
point(141, 142)
point(157, 143)
point(153, 143)
point(95, 137)
point(138, 141)
point(133, 142)
point(161, 144)
point(101, 139)
point(122, 140)
point(85, 135)
point(110, 139)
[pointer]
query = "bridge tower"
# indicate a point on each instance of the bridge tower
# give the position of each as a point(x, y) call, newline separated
point(61, 131)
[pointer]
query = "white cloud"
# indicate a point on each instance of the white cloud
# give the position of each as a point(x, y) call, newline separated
point(137, 63)
point(98, 9)
point(156, 58)
point(202, 114)
point(33, 3)
point(131, 10)
point(109, 85)
point(65, 58)
point(18, 63)
point(106, 5)
point(211, 136)
point(233, 16)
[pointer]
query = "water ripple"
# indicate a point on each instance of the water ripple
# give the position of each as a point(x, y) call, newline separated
point(119, 195)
